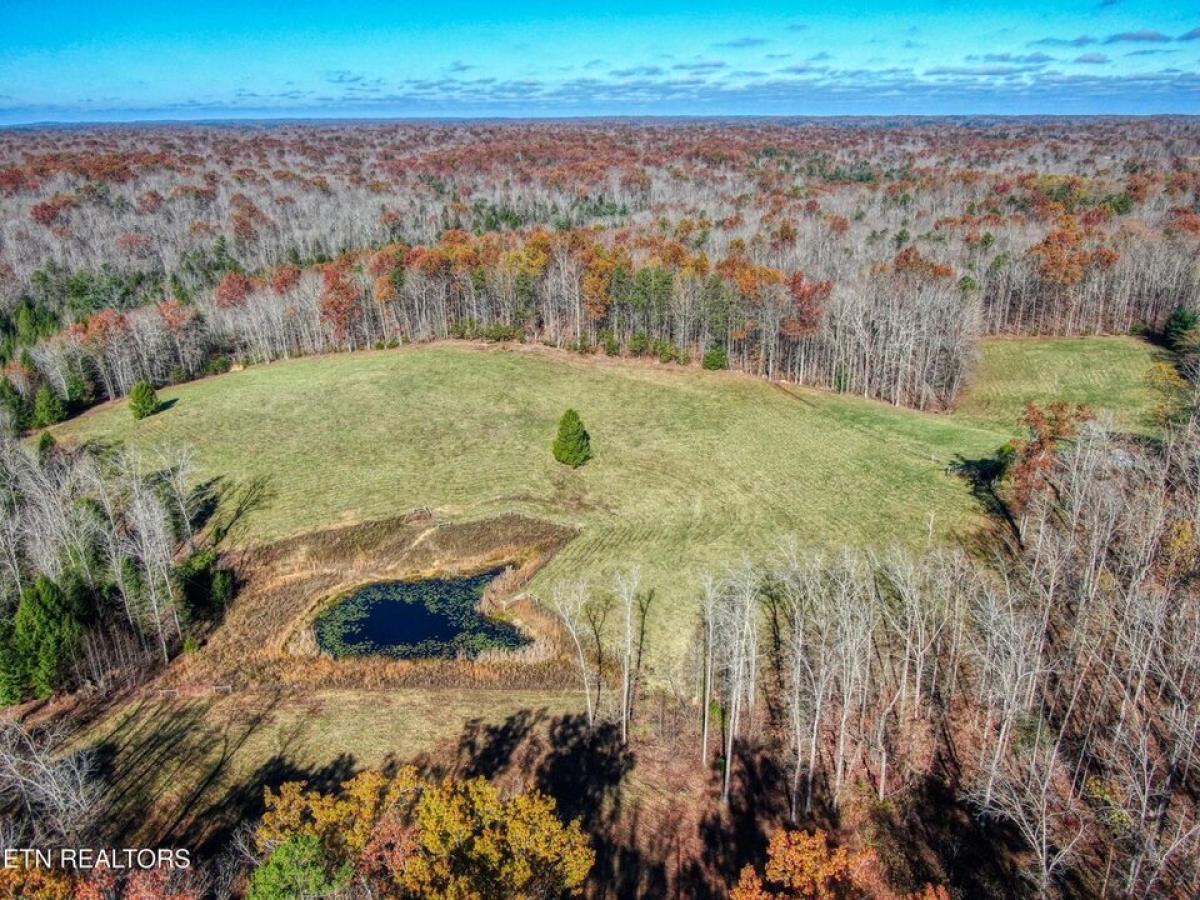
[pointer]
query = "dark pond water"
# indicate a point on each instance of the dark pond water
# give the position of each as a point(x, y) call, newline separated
point(415, 619)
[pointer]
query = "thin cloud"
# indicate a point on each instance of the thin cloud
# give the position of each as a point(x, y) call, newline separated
point(707, 65)
point(1144, 36)
point(1018, 58)
point(741, 43)
point(981, 71)
point(637, 71)
point(1082, 41)
point(1092, 59)
point(1193, 35)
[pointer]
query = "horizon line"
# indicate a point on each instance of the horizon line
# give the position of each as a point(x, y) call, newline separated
point(598, 117)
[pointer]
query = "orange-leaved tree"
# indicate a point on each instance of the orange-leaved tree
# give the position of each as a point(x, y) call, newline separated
point(805, 866)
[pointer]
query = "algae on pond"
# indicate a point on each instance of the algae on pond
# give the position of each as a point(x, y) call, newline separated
point(437, 617)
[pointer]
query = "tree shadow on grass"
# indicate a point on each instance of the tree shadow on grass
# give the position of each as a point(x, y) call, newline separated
point(984, 476)
point(168, 772)
point(211, 831)
point(235, 500)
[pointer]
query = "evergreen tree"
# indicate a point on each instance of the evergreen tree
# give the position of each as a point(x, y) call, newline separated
point(1180, 330)
point(573, 446)
point(297, 868)
point(13, 673)
point(716, 358)
point(143, 401)
point(41, 644)
point(16, 406)
point(48, 407)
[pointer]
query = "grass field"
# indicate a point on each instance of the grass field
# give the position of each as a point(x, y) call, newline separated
point(692, 471)
point(1108, 374)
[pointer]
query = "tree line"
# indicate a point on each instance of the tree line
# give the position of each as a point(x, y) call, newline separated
point(861, 260)
point(102, 566)
point(1048, 679)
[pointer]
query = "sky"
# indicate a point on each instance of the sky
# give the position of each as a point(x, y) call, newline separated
point(108, 60)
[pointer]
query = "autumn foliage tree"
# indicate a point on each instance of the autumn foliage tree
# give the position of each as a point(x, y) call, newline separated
point(805, 866)
point(1034, 456)
point(419, 839)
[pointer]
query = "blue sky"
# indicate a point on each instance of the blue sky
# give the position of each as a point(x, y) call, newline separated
point(87, 60)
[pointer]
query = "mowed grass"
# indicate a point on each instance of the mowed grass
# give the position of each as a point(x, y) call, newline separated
point(1108, 374)
point(693, 470)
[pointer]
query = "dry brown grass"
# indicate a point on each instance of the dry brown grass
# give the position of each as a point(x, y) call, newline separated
point(266, 637)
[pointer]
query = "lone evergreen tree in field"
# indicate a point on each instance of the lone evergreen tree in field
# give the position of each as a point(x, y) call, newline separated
point(143, 401)
point(573, 446)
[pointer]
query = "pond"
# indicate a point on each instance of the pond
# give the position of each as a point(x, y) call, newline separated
point(436, 617)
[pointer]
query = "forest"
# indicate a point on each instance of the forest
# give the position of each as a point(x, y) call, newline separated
point(848, 573)
point(864, 260)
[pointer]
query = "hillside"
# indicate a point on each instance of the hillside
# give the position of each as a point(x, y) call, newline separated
point(693, 470)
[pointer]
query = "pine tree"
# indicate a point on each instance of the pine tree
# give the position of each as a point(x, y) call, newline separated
point(48, 407)
point(573, 446)
point(1180, 330)
point(143, 401)
point(45, 635)
point(15, 404)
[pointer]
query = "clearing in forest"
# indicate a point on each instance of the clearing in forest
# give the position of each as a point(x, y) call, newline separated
point(692, 470)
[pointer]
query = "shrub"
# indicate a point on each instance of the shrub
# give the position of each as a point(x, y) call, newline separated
point(222, 588)
point(715, 358)
point(665, 351)
point(48, 407)
point(206, 589)
point(143, 401)
point(501, 332)
point(573, 446)
point(608, 340)
point(45, 444)
point(639, 344)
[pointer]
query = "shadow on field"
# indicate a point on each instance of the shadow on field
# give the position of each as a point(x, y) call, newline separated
point(984, 475)
point(153, 750)
point(663, 835)
point(168, 774)
point(585, 770)
point(660, 831)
